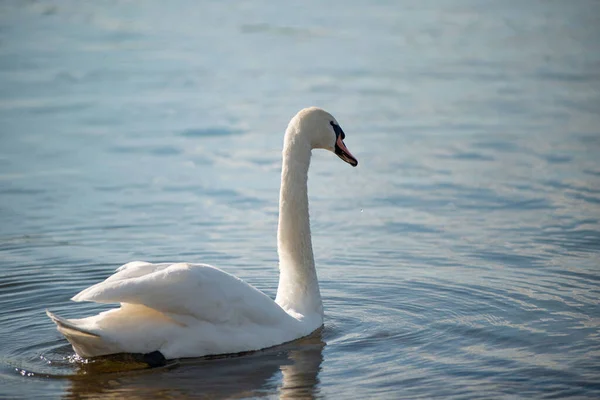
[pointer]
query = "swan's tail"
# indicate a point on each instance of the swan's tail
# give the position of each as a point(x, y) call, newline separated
point(85, 342)
point(64, 325)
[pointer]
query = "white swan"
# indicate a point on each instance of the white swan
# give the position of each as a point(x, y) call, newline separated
point(193, 310)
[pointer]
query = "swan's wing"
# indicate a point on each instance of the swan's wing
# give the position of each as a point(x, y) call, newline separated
point(136, 269)
point(197, 290)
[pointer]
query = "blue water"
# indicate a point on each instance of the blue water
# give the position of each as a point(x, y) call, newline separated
point(461, 259)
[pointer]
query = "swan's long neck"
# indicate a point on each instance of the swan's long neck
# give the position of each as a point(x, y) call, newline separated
point(298, 291)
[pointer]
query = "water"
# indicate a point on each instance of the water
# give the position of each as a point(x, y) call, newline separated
point(459, 260)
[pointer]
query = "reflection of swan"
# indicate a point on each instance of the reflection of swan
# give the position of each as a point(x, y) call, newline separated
point(248, 376)
point(300, 378)
point(187, 310)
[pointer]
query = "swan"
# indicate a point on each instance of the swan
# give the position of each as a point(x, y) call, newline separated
point(177, 310)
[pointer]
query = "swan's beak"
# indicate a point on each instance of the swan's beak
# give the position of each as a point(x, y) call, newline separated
point(340, 148)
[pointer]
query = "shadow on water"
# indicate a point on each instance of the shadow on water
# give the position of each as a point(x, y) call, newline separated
point(291, 370)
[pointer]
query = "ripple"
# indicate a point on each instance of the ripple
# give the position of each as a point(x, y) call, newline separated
point(156, 150)
point(210, 132)
point(459, 260)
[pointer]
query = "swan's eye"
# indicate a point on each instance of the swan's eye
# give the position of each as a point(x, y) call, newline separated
point(338, 130)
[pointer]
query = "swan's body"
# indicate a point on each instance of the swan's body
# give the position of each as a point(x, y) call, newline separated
point(181, 310)
point(192, 310)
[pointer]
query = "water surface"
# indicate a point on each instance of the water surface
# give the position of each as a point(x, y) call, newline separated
point(459, 260)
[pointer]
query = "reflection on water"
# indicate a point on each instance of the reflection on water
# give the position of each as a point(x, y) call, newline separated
point(291, 369)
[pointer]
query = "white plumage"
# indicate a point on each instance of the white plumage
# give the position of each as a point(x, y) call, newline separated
point(192, 310)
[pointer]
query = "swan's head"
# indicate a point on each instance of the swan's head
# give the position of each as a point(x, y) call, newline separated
point(323, 132)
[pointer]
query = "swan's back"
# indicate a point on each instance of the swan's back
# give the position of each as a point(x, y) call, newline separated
point(198, 290)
